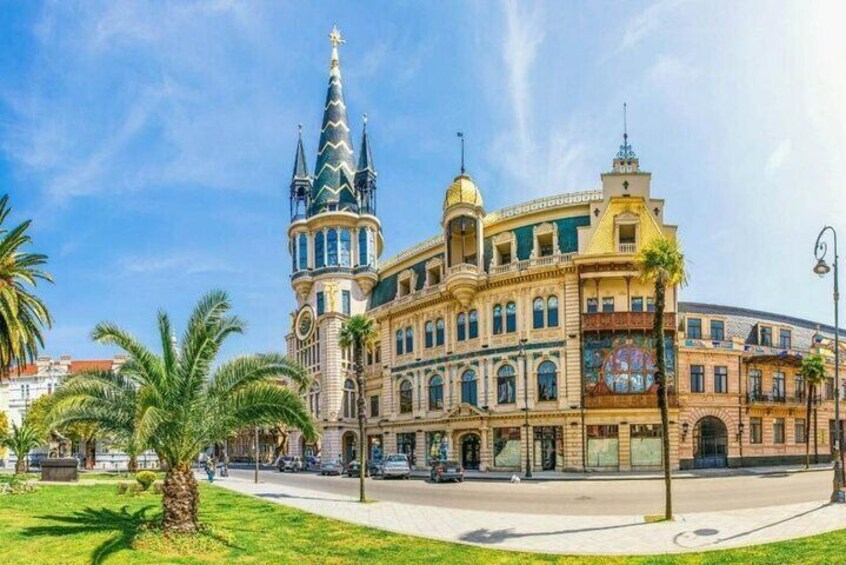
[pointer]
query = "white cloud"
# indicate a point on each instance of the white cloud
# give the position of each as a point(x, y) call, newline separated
point(778, 156)
point(647, 22)
point(184, 263)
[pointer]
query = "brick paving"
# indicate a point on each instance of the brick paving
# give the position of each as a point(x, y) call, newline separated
point(629, 535)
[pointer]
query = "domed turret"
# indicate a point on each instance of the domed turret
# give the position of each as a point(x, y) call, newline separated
point(462, 191)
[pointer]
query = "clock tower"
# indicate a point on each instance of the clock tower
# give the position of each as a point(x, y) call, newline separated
point(334, 241)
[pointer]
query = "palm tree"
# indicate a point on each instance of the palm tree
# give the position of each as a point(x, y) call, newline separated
point(813, 373)
point(359, 333)
point(22, 314)
point(105, 398)
point(184, 404)
point(661, 261)
point(21, 441)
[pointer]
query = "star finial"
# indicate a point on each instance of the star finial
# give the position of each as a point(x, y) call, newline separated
point(335, 36)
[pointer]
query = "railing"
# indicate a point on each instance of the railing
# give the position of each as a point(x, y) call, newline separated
point(463, 268)
point(547, 261)
point(300, 275)
point(625, 321)
point(756, 397)
point(365, 269)
point(627, 248)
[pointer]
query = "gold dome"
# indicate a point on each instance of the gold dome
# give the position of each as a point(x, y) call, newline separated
point(462, 190)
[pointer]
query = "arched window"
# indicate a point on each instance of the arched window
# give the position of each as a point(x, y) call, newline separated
point(318, 250)
point(461, 330)
point(362, 247)
point(552, 311)
point(436, 393)
point(332, 246)
point(371, 247)
point(346, 249)
point(409, 340)
point(399, 342)
point(406, 397)
point(474, 324)
point(469, 388)
point(314, 399)
point(497, 319)
point(511, 317)
point(302, 251)
point(547, 381)
point(537, 313)
point(349, 399)
point(439, 332)
point(430, 334)
point(505, 385)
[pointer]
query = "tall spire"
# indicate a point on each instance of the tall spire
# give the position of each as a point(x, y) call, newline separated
point(365, 176)
point(460, 135)
point(333, 188)
point(626, 160)
point(300, 180)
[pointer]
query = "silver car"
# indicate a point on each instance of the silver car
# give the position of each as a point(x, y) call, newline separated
point(396, 465)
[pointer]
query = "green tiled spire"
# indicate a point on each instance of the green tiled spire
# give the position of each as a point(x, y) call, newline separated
point(334, 172)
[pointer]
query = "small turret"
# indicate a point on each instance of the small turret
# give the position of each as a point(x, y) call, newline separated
point(365, 176)
point(300, 182)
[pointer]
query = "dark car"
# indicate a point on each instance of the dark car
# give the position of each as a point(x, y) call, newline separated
point(376, 468)
point(331, 467)
point(354, 469)
point(447, 471)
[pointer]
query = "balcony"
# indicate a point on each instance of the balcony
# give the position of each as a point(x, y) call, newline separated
point(646, 400)
point(537, 262)
point(613, 321)
point(778, 399)
point(627, 248)
point(462, 281)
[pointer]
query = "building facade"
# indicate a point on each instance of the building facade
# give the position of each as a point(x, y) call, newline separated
point(522, 336)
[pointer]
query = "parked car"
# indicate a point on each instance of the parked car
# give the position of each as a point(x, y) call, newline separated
point(331, 467)
point(397, 465)
point(290, 463)
point(312, 463)
point(376, 468)
point(354, 469)
point(447, 471)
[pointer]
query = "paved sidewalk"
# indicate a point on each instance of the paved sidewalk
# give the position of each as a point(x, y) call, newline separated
point(585, 535)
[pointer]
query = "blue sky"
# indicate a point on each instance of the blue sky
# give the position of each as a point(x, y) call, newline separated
point(152, 143)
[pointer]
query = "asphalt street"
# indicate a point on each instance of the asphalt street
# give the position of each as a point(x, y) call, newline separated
point(591, 497)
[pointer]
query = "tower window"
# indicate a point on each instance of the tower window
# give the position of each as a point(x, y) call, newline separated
point(363, 258)
point(345, 302)
point(319, 252)
point(332, 245)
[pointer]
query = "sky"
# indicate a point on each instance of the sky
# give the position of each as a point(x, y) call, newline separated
point(152, 142)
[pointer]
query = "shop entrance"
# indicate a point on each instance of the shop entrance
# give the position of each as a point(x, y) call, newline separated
point(710, 439)
point(547, 442)
point(471, 447)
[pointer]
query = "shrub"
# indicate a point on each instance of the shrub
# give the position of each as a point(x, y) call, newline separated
point(135, 489)
point(158, 487)
point(122, 488)
point(145, 479)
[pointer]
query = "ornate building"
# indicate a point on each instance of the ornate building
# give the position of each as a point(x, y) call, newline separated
point(523, 336)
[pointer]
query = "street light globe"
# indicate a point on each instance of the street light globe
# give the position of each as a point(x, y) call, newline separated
point(821, 268)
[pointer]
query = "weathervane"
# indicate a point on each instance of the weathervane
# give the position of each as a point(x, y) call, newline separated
point(335, 36)
point(461, 137)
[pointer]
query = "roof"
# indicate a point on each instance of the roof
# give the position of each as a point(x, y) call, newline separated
point(718, 310)
point(462, 191)
point(91, 365)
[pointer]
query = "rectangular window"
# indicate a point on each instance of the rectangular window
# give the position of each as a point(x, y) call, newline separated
point(718, 332)
point(697, 378)
point(650, 304)
point(637, 304)
point(374, 406)
point(799, 387)
point(592, 306)
point(766, 336)
point(778, 430)
point(784, 340)
point(506, 447)
point(799, 430)
point(345, 301)
point(779, 390)
point(721, 380)
point(829, 389)
point(608, 304)
point(755, 432)
point(694, 328)
point(755, 388)
point(320, 304)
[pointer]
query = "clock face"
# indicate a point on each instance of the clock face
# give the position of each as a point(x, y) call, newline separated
point(304, 324)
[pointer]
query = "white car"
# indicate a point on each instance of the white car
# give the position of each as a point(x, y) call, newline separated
point(396, 465)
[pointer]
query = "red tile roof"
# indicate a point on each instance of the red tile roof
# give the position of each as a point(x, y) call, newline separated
point(26, 370)
point(90, 365)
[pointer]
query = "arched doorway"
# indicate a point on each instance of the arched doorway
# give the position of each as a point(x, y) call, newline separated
point(471, 446)
point(349, 443)
point(710, 443)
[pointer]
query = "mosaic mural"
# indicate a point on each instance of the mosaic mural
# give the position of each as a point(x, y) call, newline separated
point(624, 364)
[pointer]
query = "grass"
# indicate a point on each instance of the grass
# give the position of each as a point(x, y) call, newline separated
point(93, 524)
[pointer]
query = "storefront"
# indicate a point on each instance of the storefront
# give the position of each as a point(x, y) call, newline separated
point(603, 447)
point(548, 448)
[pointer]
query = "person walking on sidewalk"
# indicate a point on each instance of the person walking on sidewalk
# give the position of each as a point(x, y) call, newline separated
point(209, 468)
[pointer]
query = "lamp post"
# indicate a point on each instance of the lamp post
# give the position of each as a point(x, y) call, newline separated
point(822, 268)
point(523, 354)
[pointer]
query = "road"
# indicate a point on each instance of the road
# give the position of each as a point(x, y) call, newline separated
point(587, 497)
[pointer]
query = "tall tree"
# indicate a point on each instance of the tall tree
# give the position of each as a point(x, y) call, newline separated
point(184, 404)
point(661, 261)
point(813, 373)
point(359, 333)
point(21, 441)
point(23, 315)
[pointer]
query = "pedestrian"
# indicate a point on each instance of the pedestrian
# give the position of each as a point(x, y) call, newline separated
point(209, 467)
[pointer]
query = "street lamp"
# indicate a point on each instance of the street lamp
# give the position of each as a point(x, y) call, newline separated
point(526, 406)
point(822, 269)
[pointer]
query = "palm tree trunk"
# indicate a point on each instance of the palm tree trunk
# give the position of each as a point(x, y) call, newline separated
point(810, 391)
point(132, 465)
point(358, 353)
point(90, 453)
point(20, 465)
point(660, 379)
point(816, 436)
point(180, 500)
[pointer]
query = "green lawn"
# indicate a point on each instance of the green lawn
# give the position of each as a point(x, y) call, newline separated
point(91, 523)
